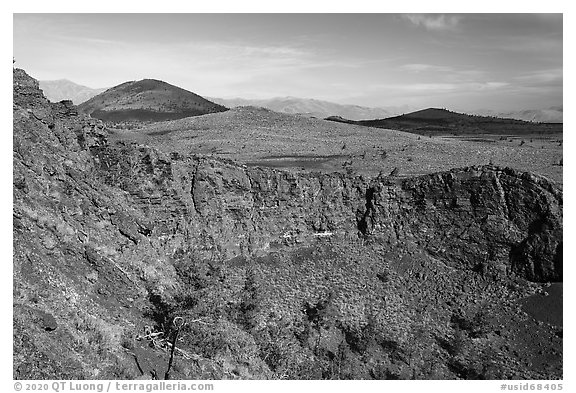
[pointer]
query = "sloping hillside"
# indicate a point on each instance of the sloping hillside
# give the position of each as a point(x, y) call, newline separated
point(148, 100)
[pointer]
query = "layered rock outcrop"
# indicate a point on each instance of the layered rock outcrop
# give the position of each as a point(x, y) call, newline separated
point(472, 218)
point(475, 217)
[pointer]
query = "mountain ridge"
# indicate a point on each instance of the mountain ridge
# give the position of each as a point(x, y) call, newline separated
point(311, 107)
point(64, 89)
point(554, 114)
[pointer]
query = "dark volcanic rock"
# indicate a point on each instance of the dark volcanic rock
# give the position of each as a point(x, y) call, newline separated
point(468, 216)
point(48, 321)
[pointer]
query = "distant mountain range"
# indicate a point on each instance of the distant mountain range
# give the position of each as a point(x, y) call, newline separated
point(313, 108)
point(63, 89)
point(435, 121)
point(553, 114)
point(147, 100)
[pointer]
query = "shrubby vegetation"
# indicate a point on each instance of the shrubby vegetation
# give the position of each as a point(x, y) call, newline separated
point(233, 318)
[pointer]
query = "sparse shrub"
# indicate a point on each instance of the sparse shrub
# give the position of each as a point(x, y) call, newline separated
point(92, 332)
point(476, 326)
point(454, 345)
point(164, 306)
point(474, 362)
point(127, 340)
point(221, 339)
point(251, 302)
point(121, 370)
point(278, 344)
point(384, 276)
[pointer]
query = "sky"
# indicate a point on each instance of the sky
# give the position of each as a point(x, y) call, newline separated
point(464, 62)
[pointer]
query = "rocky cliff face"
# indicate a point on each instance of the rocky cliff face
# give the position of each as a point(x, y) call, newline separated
point(474, 217)
point(96, 222)
point(471, 218)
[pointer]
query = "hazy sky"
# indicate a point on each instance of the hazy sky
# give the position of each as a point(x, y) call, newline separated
point(461, 62)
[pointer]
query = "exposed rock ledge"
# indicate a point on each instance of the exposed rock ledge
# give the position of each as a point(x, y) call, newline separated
point(471, 217)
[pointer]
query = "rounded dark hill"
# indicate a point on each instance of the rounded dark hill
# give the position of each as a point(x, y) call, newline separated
point(435, 114)
point(147, 100)
point(444, 116)
point(436, 121)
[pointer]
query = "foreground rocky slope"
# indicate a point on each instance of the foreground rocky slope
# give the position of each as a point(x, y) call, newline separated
point(278, 275)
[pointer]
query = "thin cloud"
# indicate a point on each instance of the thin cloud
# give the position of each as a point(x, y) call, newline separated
point(427, 87)
point(548, 76)
point(494, 85)
point(446, 74)
point(434, 21)
point(438, 88)
point(425, 68)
